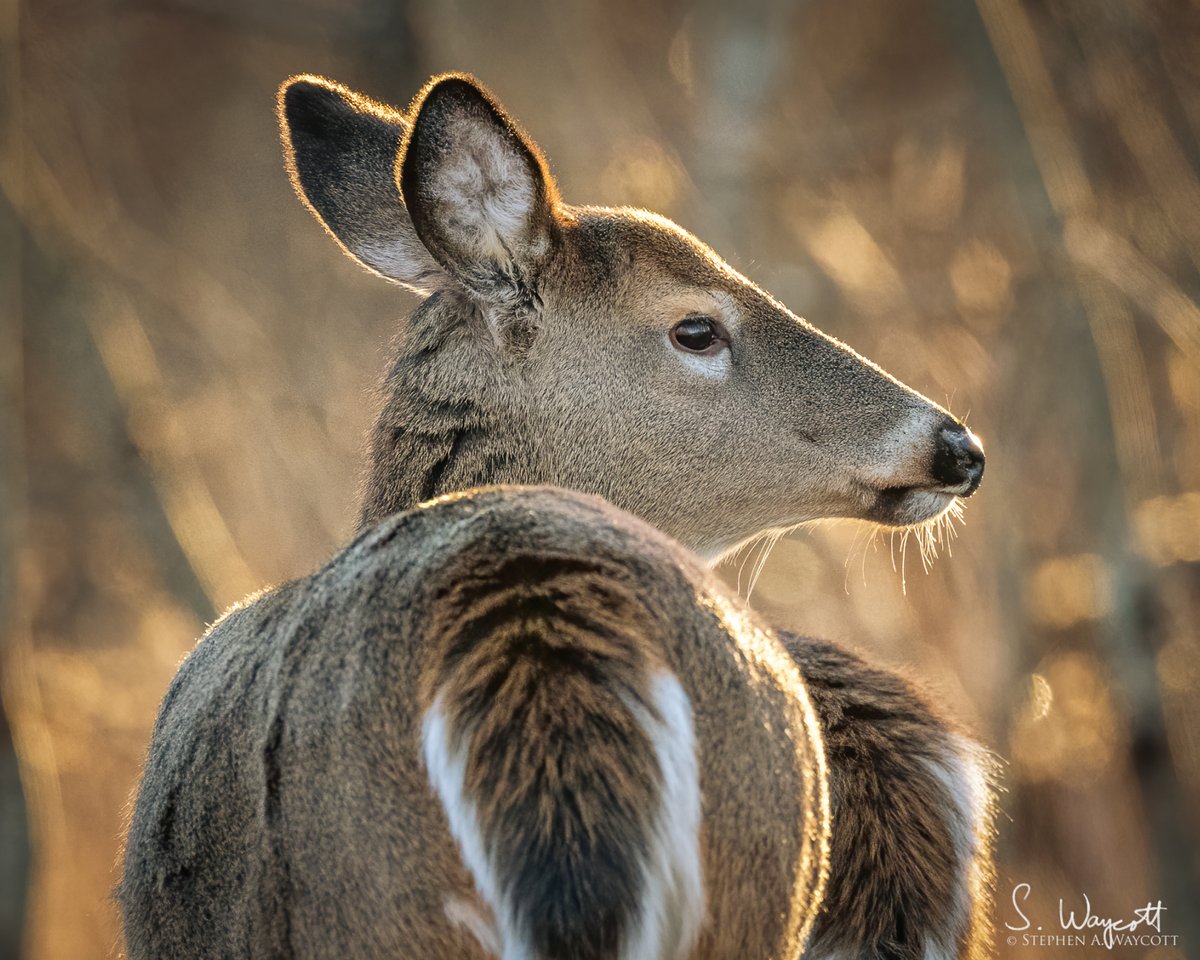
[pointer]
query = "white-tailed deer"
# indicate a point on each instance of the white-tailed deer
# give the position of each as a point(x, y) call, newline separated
point(518, 722)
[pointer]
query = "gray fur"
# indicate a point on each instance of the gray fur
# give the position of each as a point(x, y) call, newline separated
point(284, 811)
point(542, 356)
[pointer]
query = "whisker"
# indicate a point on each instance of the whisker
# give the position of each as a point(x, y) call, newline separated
point(846, 565)
point(740, 554)
point(873, 543)
point(769, 542)
point(931, 537)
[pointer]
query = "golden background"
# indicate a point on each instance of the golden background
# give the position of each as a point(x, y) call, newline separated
point(997, 201)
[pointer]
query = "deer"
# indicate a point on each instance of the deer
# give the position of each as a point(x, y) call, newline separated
point(518, 717)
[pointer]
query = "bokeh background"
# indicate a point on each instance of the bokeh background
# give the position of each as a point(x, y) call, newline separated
point(999, 201)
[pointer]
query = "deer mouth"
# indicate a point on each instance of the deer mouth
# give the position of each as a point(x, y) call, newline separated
point(908, 506)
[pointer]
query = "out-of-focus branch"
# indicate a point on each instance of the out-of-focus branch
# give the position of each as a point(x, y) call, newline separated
point(187, 502)
point(1074, 201)
point(48, 201)
point(15, 686)
point(1145, 131)
point(1101, 252)
point(129, 358)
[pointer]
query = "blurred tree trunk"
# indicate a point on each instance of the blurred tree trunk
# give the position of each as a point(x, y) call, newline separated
point(14, 848)
point(736, 62)
point(14, 830)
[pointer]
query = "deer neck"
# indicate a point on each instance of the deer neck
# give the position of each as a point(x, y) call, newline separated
point(450, 420)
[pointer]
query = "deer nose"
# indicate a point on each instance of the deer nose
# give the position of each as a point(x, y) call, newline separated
point(958, 460)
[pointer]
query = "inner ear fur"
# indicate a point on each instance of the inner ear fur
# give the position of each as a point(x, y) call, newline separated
point(478, 190)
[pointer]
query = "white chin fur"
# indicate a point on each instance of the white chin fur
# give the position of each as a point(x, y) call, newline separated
point(920, 506)
point(916, 507)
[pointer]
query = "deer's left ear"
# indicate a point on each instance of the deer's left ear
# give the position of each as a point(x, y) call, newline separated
point(478, 191)
point(341, 151)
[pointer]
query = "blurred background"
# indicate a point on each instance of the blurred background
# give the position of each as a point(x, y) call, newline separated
point(998, 201)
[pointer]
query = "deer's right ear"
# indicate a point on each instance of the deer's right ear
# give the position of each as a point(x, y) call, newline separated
point(479, 192)
point(341, 155)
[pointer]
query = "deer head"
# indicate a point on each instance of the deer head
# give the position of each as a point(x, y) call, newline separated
point(604, 350)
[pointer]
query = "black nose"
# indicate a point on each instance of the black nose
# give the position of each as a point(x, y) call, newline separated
point(958, 460)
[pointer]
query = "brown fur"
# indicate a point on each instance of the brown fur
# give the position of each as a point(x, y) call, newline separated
point(285, 812)
point(545, 650)
point(894, 871)
point(540, 356)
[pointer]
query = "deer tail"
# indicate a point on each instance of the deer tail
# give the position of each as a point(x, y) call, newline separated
point(562, 750)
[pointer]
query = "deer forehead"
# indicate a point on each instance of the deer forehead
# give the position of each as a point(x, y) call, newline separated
point(633, 258)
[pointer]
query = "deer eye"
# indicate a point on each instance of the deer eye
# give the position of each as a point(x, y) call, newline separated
point(699, 334)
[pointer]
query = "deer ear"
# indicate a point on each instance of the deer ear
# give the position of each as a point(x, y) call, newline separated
point(341, 155)
point(480, 195)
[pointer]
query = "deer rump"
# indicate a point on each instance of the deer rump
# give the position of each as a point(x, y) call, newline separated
point(512, 722)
